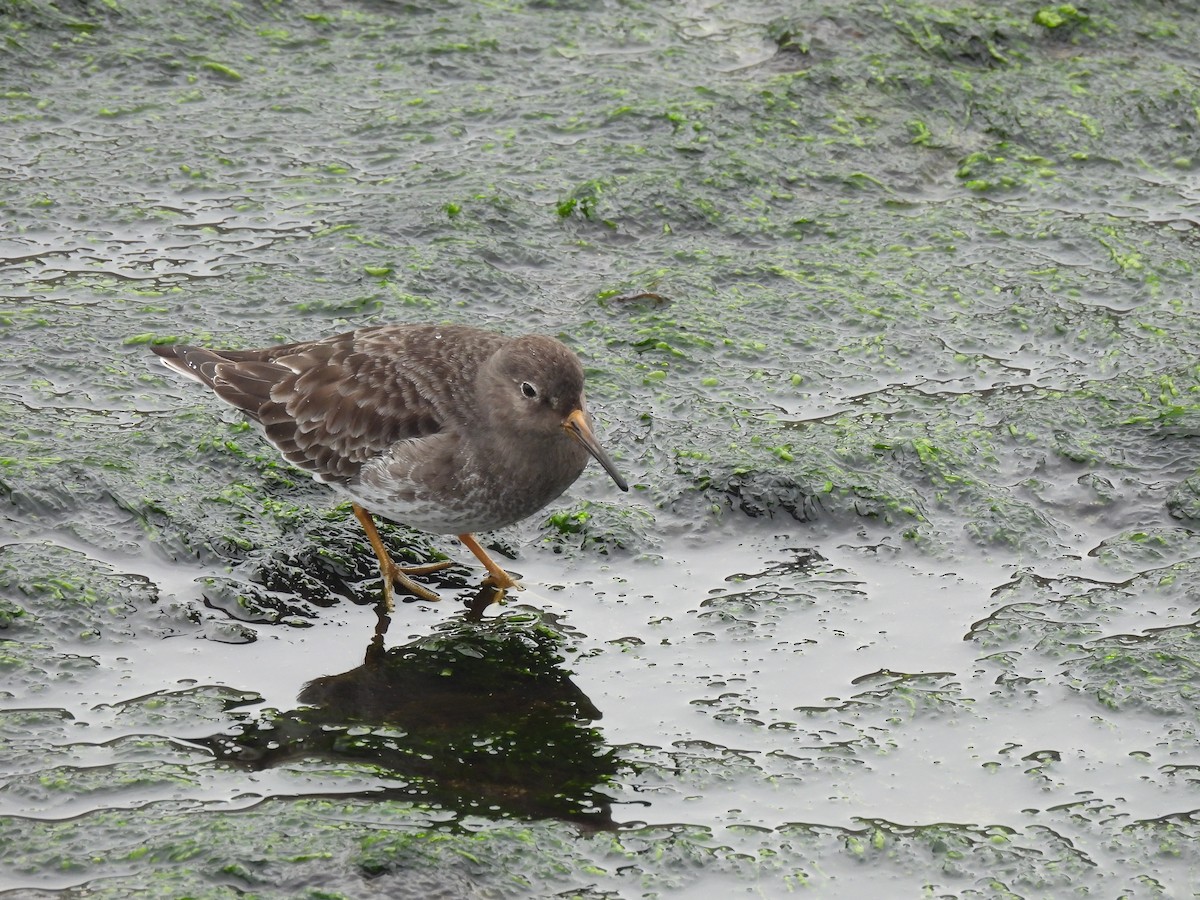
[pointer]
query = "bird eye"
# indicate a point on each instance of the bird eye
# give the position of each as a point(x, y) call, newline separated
point(528, 390)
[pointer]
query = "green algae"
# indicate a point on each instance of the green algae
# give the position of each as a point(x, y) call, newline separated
point(603, 527)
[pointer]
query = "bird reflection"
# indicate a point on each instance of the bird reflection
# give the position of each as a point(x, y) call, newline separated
point(477, 715)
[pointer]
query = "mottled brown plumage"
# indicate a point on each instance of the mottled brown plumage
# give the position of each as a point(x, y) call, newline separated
point(446, 428)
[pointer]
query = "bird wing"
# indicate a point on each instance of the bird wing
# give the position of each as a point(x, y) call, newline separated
point(333, 405)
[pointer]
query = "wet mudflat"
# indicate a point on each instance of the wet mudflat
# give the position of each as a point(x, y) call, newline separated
point(889, 316)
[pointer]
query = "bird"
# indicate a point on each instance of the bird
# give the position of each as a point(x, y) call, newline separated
point(449, 429)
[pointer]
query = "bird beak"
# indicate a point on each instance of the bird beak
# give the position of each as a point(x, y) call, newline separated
point(577, 426)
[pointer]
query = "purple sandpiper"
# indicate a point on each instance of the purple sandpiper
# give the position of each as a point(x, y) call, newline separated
point(445, 428)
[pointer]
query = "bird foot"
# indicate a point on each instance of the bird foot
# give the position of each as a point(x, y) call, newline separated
point(424, 569)
point(502, 582)
point(397, 577)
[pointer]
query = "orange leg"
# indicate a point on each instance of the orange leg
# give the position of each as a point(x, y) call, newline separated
point(392, 573)
point(497, 578)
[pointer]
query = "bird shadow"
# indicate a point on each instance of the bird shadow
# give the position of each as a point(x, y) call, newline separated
point(478, 715)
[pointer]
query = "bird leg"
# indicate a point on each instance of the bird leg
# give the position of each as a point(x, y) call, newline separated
point(392, 573)
point(497, 578)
